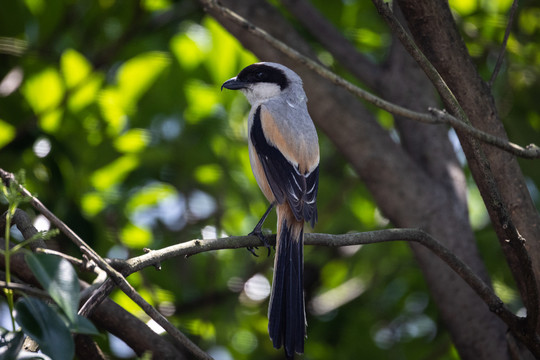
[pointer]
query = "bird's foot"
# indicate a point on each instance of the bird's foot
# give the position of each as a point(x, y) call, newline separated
point(258, 233)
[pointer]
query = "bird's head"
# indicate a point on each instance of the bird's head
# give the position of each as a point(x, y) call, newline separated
point(263, 81)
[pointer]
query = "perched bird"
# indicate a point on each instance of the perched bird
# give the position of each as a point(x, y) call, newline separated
point(284, 156)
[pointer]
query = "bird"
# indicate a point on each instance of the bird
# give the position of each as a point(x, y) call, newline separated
point(284, 156)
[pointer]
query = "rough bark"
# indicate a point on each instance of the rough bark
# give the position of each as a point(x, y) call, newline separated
point(410, 183)
point(435, 33)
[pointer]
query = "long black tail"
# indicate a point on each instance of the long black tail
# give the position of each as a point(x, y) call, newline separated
point(286, 313)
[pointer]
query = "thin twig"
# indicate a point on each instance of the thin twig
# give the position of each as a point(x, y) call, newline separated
point(98, 296)
point(500, 58)
point(77, 262)
point(531, 152)
point(25, 289)
point(333, 40)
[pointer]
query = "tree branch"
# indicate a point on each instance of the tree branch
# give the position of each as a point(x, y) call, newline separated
point(126, 287)
point(108, 315)
point(26, 289)
point(514, 240)
point(500, 58)
point(531, 152)
point(516, 324)
point(119, 280)
point(333, 40)
point(197, 246)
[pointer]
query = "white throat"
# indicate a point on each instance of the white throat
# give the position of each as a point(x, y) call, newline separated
point(260, 92)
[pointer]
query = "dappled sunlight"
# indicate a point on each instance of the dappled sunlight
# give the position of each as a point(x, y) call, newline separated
point(115, 115)
point(257, 288)
point(337, 297)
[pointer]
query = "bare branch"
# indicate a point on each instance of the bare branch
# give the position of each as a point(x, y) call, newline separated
point(73, 260)
point(333, 40)
point(126, 287)
point(530, 152)
point(485, 292)
point(196, 246)
point(26, 289)
point(98, 296)
point(500, 58)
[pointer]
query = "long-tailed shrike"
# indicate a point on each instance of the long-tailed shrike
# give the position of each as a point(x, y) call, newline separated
point(284, 156)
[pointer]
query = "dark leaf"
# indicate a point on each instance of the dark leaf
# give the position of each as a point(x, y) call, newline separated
point(59, 279)
point(46, 327)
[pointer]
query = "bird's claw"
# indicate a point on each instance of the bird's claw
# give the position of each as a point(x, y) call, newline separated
point(262, 238)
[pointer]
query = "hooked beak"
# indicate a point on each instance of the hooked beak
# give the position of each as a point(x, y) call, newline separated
point(233, 84)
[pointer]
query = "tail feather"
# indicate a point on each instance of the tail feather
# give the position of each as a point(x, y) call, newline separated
point(286, 314)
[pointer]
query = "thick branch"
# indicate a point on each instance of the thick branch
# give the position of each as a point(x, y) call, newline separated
point(527, 279)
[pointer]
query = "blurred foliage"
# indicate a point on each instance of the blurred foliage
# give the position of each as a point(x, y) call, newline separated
point(115, 112)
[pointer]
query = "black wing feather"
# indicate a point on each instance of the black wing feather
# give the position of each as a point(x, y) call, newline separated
point(285, 180)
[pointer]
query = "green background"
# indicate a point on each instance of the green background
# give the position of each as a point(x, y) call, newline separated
point(113, 109)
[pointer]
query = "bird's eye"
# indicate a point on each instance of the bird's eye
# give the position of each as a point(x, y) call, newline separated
point(260, 76)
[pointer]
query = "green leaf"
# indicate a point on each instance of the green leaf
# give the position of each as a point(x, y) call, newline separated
point(149, 196)
point(83, 326)
point(114, 172)
point(188, 52)
point(202, 99)
point(75, 68)
point(59, 279)
point(44, 92)
point(11, 343)
point(133, 141)
point(208, 174)
point(92, 203)
point(135, 237)
point(46, 327)
point(7, 133)
point(137, 75)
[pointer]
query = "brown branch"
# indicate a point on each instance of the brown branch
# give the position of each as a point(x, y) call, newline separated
point(126, 287)
point(197, 246)
point(500, 58)
point(516, 324)
point(530, 152)
point(25, 226)
point(494, 201)
point(333, 40)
